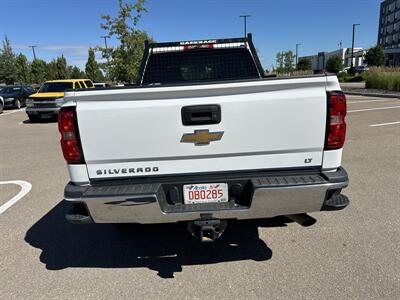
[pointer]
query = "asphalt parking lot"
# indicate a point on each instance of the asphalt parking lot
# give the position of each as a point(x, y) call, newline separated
point(354, 253)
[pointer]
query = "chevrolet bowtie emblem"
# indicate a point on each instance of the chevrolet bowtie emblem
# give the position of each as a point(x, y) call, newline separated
point(202, 137)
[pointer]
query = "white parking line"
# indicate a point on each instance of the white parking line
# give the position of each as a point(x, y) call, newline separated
point(377, 108)
point(25, 188)
point(384, 124)
point(11, 112)
point(367, 101)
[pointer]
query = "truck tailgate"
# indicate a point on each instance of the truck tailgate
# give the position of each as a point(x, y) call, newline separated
point(265, 124)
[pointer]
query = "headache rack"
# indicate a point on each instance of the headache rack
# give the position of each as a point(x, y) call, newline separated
point(197, 61)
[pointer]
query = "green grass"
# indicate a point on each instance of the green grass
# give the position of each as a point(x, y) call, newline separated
point(344, 77)
point(389, 81)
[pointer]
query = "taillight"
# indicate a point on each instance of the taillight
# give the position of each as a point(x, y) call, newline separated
point(336, 125)
point(70, 143)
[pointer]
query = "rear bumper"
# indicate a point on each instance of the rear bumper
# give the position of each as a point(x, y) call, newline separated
point(263, 195)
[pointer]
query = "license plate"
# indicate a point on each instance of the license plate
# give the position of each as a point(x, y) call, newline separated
point(205, 193)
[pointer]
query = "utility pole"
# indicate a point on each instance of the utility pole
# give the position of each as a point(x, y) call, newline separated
point(340, 45)
point(352, 46)
point(105, 37)
point(297, 54)
point(33, 50)
point(245, 23)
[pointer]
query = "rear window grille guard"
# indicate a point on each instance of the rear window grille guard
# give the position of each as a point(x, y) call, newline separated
point(182, 48)
point(196, 65)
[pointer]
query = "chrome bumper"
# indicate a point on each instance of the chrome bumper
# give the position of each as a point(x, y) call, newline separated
point(34, 110)
point(44, 106)
point(269, 196)
point(8, 101)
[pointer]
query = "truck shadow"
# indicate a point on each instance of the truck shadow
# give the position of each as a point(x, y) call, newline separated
point(162, 248)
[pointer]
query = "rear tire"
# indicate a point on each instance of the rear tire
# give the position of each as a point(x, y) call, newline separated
point(17, 104)
point(34, 118)
point(1, 108)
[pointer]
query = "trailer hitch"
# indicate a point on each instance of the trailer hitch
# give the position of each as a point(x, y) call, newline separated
point(207, 230)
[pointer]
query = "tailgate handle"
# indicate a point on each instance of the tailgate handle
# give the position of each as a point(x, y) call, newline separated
point(201, 114)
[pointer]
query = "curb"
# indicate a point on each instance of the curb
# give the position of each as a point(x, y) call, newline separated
point(372, 94)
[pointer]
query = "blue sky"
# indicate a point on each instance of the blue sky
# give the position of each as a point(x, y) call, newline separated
point(69, 27)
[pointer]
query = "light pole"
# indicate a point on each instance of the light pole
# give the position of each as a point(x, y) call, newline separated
point(245, 23)
point(297, 54)
point(352, 46)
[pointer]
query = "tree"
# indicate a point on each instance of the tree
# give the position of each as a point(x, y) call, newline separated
point(284, 62)
point(58, 69)
point(289, 60)
point(7, 63)
point(279, 60)
point(22, 69)
point(304, 64)
point(61, 67)
point(92, 68)
point(70, 70)
point(39, 71)
point(334, 64)
point(51, 68)
point(75, 73)
point(375, 56)
point(124, 60)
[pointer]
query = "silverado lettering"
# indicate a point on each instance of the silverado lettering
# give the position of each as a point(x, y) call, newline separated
point(127, 171)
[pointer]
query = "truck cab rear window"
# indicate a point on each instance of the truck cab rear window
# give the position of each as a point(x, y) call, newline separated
point(49, 87)
point(89, 84)
point(200, 65)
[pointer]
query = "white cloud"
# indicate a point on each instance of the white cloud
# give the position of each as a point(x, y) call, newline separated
point(20, 47)
point(66, 50)
point(76, 55)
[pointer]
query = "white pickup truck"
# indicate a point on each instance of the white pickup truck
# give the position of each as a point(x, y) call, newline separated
point(203, 138)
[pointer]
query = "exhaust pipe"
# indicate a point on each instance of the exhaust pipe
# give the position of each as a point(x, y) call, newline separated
point(302, 219)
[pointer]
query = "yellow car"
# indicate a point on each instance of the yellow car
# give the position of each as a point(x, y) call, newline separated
point(47, 101)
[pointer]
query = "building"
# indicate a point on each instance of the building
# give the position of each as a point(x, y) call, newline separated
point(389, 31)
point(318, 62)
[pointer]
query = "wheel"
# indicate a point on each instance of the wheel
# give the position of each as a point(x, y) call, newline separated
point(1, 108)
point(17, 104)
point(34, 118)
